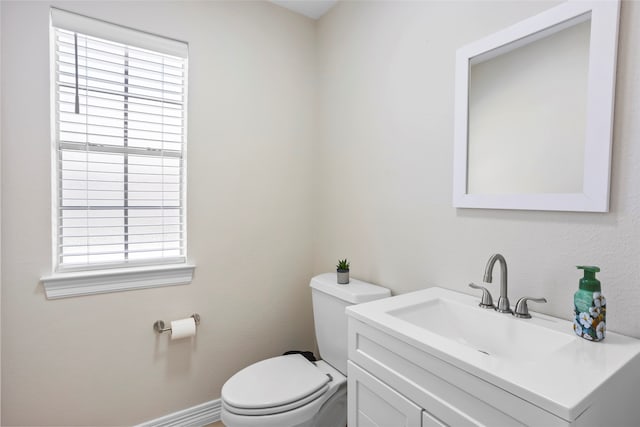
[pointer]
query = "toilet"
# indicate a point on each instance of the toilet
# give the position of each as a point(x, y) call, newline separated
point(291, 391)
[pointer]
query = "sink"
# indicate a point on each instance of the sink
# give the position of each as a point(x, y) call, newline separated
point(488, 332)
point(438, 342)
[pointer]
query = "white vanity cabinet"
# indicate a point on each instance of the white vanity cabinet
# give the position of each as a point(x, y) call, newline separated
point(391, 380)
point(402, 375)
point(377, 404)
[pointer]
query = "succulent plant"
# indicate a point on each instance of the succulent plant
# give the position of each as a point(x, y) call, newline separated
point(343, 264)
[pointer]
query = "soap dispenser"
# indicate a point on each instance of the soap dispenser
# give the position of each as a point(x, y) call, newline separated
point(590, 307)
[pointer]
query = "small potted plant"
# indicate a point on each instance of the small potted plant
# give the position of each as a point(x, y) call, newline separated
point(343, 271)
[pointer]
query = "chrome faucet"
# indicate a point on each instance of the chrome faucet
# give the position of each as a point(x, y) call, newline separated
point(503, 301)
point(521, 309)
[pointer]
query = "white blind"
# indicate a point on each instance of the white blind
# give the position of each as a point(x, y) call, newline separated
point(119, 153)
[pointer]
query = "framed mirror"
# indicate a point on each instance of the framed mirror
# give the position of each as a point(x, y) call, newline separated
point(534, 112)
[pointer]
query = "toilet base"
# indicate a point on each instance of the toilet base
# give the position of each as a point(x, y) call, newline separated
point(334, 412)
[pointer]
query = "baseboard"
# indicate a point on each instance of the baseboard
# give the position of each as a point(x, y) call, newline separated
point(196, 416)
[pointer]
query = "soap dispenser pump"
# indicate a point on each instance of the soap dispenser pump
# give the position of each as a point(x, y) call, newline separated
point(590, 307)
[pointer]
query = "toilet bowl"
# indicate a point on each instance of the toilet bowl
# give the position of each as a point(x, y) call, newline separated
point(285, 391)
point(291, 391)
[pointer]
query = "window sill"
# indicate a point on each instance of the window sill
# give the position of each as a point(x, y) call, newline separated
point(64, 285)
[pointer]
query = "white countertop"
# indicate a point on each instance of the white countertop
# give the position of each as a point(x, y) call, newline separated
point(561, 380)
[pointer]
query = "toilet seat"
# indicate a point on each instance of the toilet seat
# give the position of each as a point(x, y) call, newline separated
point(305, 413)
point(274, 385)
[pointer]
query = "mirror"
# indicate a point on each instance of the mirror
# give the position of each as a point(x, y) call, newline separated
point(511, 98)
point(534, 112)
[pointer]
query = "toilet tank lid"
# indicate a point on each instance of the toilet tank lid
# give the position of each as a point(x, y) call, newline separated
point(356, 292)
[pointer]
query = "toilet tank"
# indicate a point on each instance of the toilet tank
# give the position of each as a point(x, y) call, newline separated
point(329, 303)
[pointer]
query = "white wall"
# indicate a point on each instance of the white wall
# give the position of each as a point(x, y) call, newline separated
point(386, 73)
point(96, 360)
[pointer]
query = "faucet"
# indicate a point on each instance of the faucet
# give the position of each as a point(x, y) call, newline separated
point(503, 301)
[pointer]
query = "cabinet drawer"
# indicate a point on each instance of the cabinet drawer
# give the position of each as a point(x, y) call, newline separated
point(373, 404)
point(450, 395)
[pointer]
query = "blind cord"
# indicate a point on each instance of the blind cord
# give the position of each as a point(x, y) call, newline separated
point(75, 44)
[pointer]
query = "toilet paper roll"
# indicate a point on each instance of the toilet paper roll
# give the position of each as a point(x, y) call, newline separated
point(183, 328)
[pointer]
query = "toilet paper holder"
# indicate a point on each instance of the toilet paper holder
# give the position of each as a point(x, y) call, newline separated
point(158, 326)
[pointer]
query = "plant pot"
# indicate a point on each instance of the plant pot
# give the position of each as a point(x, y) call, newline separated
point(343, 277)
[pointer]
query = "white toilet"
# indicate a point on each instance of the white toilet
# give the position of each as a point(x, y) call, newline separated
point(290, 391)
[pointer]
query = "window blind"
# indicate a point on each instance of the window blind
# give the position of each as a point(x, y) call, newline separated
point(119, 153)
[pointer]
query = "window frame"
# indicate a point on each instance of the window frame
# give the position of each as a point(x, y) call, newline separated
point(87, 279)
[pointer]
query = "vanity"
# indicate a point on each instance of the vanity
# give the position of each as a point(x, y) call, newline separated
point(435, 358)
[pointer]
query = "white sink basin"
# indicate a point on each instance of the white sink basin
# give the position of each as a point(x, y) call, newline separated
point(540, 358)
point(485, 330)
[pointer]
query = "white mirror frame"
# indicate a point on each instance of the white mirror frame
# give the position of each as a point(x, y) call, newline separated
point(600, 100)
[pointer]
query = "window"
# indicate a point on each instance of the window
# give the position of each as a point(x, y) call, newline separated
point(119, 139)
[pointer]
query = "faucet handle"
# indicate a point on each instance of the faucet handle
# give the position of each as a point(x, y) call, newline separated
point(522, 310)
point(486, 301)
